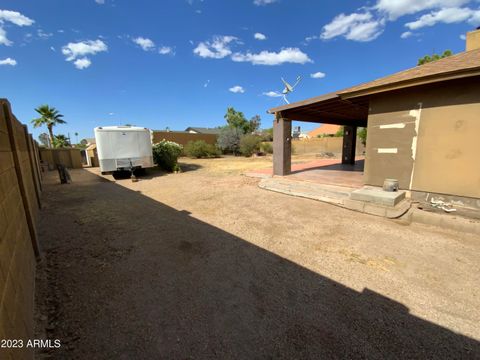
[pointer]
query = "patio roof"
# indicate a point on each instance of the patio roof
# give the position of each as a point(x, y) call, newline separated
point(350, 106)
point(327, 109)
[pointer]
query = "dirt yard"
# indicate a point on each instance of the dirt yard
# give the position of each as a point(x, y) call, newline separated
point(205, 265)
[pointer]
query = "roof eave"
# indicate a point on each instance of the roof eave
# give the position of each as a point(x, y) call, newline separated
point(411, 83)
point(309, 101)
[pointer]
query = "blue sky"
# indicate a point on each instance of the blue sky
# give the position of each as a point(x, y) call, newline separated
point(180, 63)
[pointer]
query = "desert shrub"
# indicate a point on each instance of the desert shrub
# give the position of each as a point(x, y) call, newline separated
point(250, 144)
point(229, 139)
point(200, 149)
point(166, 153)
point(267, 148)
point(362, 134)
point(340, 132)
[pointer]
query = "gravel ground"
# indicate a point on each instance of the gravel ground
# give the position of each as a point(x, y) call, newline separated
point(205, 265)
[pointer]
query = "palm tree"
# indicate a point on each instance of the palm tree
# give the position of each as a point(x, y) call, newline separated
point(49, 116)
point(61, 141)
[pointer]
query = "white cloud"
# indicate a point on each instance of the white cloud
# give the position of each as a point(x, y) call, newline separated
point(368, 22)
point(8, 61)
point(260, 36)
point(206, 83)
point(447, 16)
point(272, 94)
point(165, 50)
point(145, 43)
point(397, 8)
point(3, 38)
point(101, 2)
point(43, 35)
point(237, 89)
point(288, 55)
point(406, 34)
point(318, 75)
point(78, 51)
point(264, 2)
point(463, 37)
point(82, 48)
point(82, 63)
point(15, 18)
point(216, 49)
point(355, 26)
point(311, 38)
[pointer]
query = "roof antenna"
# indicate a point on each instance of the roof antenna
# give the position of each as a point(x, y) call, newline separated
point(289, 88)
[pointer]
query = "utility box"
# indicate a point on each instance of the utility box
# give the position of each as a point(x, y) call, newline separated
point(123, 148)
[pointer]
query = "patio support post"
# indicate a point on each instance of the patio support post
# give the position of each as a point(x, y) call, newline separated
point(349, 144)
point(282, 145)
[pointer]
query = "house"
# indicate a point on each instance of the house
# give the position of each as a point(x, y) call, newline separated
point(201, 130)
point(423, 126)
point(88, 141)
point(324, 130)
point(298, 134)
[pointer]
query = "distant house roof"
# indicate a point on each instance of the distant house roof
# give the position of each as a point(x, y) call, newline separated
point(202, 130)
point(324, 129)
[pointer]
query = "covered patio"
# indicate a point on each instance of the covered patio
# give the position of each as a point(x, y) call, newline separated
point(325, 109)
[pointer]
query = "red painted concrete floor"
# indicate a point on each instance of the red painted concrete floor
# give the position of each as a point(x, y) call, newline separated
point(325, 171)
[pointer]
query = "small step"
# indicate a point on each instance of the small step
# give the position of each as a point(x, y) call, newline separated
point(378, 196)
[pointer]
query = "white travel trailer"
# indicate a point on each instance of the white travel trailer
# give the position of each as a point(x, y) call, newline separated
point(123, 148)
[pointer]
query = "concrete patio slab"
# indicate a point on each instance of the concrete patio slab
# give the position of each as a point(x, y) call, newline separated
point(332, 194)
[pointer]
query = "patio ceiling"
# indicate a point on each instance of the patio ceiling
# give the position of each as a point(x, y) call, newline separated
point(327, 109)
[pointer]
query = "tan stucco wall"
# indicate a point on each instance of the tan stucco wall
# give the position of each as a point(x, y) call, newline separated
point(438, 147)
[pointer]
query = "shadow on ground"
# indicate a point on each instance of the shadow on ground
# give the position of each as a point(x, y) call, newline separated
point(358, 167)
point(132, 278)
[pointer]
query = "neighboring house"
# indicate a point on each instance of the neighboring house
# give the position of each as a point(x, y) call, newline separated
point(324, 130)
point(88, 141)
point(423, 126)
point(201, 130)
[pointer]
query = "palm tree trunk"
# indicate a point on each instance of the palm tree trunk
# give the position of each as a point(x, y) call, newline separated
point(50, 131)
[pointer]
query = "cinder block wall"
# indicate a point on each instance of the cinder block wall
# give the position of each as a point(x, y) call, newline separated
point(71, 158)
point(19, 205)
point(326, 144)
point(183, 138)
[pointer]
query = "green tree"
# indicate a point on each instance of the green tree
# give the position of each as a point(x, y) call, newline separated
point(229, 139)
point(238, 120)
point(427, 58)
point(254, 124)
point(44, 139)
point(49, 117)
point(267, 134)
point(60, 141)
